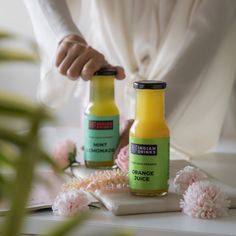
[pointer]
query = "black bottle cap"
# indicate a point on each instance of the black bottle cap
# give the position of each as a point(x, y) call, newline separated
point(149, 84)
point(106, 71)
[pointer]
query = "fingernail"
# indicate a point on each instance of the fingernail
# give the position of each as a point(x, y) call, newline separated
point(71, 77)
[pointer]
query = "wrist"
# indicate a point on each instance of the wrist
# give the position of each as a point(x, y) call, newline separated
point(74, 38)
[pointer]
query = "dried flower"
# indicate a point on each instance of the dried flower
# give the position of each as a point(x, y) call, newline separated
point(204, 199)
point(64, 153)
point(101, 180)
point(122, 160)
point(184, 178)
point(70, 202)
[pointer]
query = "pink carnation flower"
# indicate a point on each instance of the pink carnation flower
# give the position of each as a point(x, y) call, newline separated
point(205, 200)
point(70, 202)
point(122, 160)
point(64, 153)
point(184, 178)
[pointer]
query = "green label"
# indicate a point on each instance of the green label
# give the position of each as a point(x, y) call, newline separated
point(148, 163)
point(101, 137)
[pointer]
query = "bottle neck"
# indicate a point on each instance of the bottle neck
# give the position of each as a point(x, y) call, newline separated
point(102, 89)
point(150, 105)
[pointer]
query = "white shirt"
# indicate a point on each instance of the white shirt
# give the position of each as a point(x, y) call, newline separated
point(190, 44)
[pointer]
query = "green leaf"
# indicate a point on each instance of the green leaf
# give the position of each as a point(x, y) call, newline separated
point(8, 153)
point(9, 54)
point(16, 55)
point(4, 35)
point(5, 160)
point(16, 106)
point(11, 137)
point(27, 154)
point(2, 182)
point(20, 191)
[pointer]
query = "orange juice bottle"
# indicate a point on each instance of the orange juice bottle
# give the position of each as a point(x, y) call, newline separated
point(149, 141)
point(101, 121)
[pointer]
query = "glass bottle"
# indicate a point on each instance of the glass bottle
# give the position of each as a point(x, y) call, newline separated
point(101, 121)
point(149, 141)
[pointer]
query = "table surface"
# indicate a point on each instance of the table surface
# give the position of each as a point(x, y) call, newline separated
point(219, 163)
point(166, 224)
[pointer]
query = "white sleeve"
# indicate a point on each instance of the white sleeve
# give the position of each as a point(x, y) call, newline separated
point(51, 22)
point(55, 13)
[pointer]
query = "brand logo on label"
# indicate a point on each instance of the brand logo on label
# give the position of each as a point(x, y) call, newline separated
point(143, 149)
point(100, 125)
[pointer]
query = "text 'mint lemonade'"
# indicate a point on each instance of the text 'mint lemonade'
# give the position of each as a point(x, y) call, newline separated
point(101, 121)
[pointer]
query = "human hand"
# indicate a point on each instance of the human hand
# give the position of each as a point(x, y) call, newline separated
point(124, 137)
point(75, 58)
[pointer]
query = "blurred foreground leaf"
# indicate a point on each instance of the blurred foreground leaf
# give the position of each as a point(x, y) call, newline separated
point(26, 151)
point(28, 155)
point(16, 55)
point(4, 35)
point(17, 106)
point(14, 52)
